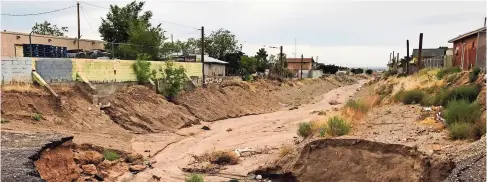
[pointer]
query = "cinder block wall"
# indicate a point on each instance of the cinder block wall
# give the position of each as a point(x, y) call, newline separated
point(55, 69)
point(16, 70)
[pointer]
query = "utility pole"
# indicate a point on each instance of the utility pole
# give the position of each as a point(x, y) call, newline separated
point(280, 55)
point(393, 59)
point(302, 66)
point(397, 61)
point(407, 57)
point(79, 33)
point(203, 54)
point(420, 50)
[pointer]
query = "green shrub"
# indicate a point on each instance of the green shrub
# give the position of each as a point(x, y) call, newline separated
point(173, 78)
point(460, 130)
point(413, 96)
point(472, 77)
point(110, 155)
point(357, 105)
point(141, 69)
point(337, 126)
point(446, 71)
point(304, 129)
point(37, 116)
point(369, 72)
point(467, 92)
point(452, 78)
point(194, 178)
point(247, 77)
point(428, 100)
point(461, 111)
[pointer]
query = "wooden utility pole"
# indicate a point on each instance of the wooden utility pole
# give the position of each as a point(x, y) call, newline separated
point(79, 33)
point(281, 56)
point(397, 61)
point(393, 59)
point(407, 56)
point(420, 64)
point(302, 58)
point(203, 54)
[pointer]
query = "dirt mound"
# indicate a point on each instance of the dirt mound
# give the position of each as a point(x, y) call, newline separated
point(226, 101)
point(140, 109)
point(358, 160)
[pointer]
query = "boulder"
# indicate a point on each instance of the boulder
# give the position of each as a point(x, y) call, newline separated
point(89, 169)
point(137, 168)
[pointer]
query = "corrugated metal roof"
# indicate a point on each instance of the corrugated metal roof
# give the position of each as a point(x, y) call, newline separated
point(429, 52)
point(465, 35)
point(209, 59)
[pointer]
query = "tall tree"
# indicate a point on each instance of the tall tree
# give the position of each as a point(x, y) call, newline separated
point(116, 26)
point(47, 28)
point(143, 39)
point(219, 43)
point(262, 62)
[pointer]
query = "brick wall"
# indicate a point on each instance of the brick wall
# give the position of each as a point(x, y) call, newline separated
point(16, 70)
point(55, 70)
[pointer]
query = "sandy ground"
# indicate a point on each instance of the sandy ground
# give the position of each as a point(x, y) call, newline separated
point(173, 152)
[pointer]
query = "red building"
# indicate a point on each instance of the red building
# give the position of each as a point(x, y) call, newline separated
point(469, 49)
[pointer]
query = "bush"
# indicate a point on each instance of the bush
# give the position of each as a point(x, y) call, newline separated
point(286, 149)
point(37, 116)
point(357, 105)
point(141, 69)
point(173, 79)
point(337, 126)
point(247, 77)
point(467, 92)
point(219, 157)
point(472, 77)
point(369, 72)
point(110, 155)
point(446, 71)
point(461, 111)
point(413, 96)
point(460, 130)
point(194, 178)
point(304, 129)
point(428, 100)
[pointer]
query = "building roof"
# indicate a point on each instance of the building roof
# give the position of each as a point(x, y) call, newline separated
point(427, 53)
point(298, 60)
point(209, 59)
point(50, 36)
point(468, 34)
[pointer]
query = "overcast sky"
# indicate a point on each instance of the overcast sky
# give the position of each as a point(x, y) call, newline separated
point(347, 33)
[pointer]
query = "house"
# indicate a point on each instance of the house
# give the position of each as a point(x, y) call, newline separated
point(469, 49)
point(296, 64)
point(213, 67)
point(429, 53)
point(12, 42)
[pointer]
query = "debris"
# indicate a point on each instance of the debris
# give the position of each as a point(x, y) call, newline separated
point(333, 102)
point(98, 177)
point(427, 109)
point(244, 152)
point(205, 128)
point(293, 108)
point(258, 177)
point(103, 106)
point(229, 129)
point(89, 169)
point(156, 177)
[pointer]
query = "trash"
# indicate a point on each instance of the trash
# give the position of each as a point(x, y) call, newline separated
point(205, 128)
point(243, 152)
point(427, 109)
point(258, 177)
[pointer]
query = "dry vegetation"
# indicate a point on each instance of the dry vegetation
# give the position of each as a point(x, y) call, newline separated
point(218, 157)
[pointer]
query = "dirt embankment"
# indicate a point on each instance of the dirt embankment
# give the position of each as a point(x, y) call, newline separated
point(140, 109)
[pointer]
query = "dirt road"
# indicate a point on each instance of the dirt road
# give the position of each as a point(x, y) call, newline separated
point(271, 131)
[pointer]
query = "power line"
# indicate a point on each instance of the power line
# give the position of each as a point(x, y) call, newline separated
point(86, 19)
point(94, 5)
point(32, 14)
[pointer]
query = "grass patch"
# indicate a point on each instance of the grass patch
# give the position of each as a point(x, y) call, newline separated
point(460, 130)
point(466, 92)
point(4, 121)
point(37, 116)
point(385, 89)
point(446, 71)
point(461, 111)
point(412, 97)
point(194, 178)
point(337, 126)
point(285, 149)
point(219, 157)
point(110, 155)
point(472, 77)
point(357, 105)
point(304, 129)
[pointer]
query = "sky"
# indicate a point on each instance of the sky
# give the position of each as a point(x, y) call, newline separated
point(346, 33)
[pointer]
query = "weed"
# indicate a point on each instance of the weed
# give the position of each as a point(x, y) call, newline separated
point(142, 69)
point(446, 71)
point(4, 121)
point(452, 78)
point(461, 111)
point(285, 149)
point(412, 97)
point(194, 178)
point(466, 92)
point(357, 105)
point(322, 132)
point(472, 77)
point(337, 126)
point(110, 155)
point(219, 157)
point(428, 100)
point(460, 130)
point(304, 129)
point(37, 116)
point(385, 89)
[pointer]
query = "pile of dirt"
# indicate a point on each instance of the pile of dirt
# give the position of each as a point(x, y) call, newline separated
point(357, 160)
point(226, 101)
point(140, 109)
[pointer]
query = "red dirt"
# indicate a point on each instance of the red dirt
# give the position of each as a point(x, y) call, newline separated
point(58, 164)
point(140, 109)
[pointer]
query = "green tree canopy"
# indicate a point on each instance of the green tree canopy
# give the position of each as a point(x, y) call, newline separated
point(143, 39)
point(47, 28)
point(219, 43)
point(263, 63)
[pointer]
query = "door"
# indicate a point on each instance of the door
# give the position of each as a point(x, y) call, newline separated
point(19, 51)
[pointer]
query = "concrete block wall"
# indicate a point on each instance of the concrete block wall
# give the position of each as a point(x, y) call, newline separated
point(55, 69)
point(16, 70)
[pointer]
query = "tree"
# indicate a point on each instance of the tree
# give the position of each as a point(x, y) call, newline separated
point(330, 69)
point(143, 39)
point(219, 43)
point(116, 26)
point(47, 28)
point(173, 79)
point(249, 64)
point(142, 68)
point(234, 63)
point(369, 72)
point(261, 57)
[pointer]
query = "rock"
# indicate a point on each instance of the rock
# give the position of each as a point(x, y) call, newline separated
point(333, 102)
point(88, 157)
point(89, 169)
point(156, 177)
point(89, 108)
point(103, 174)
point(205, 128)
point(258, 177)
point(137, 168)
point(229, 129)
point(98, 177)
